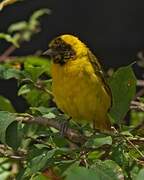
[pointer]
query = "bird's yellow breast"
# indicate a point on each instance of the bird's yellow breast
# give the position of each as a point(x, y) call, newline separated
point(80, 93)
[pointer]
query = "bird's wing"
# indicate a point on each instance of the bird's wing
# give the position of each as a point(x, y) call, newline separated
point(98, 71)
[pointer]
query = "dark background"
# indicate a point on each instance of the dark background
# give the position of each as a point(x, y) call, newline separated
point(113, 29)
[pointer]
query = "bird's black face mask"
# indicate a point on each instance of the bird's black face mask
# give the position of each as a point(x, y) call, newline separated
point(60, 52)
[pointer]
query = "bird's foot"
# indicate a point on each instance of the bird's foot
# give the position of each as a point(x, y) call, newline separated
point(64, 126)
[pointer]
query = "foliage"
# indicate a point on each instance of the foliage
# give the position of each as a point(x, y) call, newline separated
point(6, 3)
point(31, 144)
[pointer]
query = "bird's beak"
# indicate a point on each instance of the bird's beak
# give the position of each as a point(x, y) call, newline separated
point(49, 52)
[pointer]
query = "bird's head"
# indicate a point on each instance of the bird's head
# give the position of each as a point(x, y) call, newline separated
point(65, 48)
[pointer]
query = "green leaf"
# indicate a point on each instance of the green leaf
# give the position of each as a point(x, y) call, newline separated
point(9, 38)
point(8, 73)
point(98, 141)
point(97, 173)
point(24, 89)
point(140, 175)
point(108, 170)
point(33, 22)
point(37, 14)
point(4, 168)
point(43, 159)
point(19, 26)
point(5, 105)
point(14, 135)
point(114, 167)
point(118, 155)
point(40, 177)
point(82, 173)
point(6, 2)
point(136, 117)
point(12, 73)
point(39, 162)
point(37, 97)
point(41, 110)
point(36, 66)
point(123, 87)
point(6, 119)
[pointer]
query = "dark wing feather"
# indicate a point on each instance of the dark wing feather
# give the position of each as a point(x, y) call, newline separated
point(99, 71)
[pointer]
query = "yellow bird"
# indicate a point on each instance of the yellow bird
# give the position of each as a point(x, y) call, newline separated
point(79, 86)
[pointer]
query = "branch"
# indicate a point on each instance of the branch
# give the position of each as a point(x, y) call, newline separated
point(6, 151)
point(40, 86)
point(138, 141)
point(137, 105)
point(71, 134)
point(140, 83)
point(6, 54)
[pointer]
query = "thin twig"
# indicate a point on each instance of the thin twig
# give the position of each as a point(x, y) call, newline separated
point(137, 105)
point(138, 140)
point(131, 144)
point(71, 134)
point(139, 93)
point(135, 147)
point(140, 83)
point(6, 151)
point(40, 86)
point(8, 52)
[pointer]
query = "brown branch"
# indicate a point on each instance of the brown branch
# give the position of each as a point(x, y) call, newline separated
point(40, 86)
point(71, 134)
point(137, 105)
point(140, 83)
point(6, 54)
point(138, 141)
point(6, 151)
point(139, 93)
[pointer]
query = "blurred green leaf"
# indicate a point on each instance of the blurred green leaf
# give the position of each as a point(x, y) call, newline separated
point(9, 72)
point(23, 31)
point(9, 38)
point(36, 66)
point(96, 173)
point(40, 177)
point(82, 173)
point(6, 119)
point(98, 141)
point(41, 110)
point(5, 105)
point(123, 87)
point(136, 117)
point(110, 169)
point(19, 26)
point(118, 155)
point(24, 89)
point(95, 154)
point(39, 162)
point(50, 115)
point(140, 175)
point(4, 168)
point(6, 2)
point(12, 73)
point(14, 135)
point(33, 22)
point(114, 167)
point(37, 97)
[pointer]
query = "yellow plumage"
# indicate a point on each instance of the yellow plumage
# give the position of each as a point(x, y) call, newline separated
point(78, 84)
